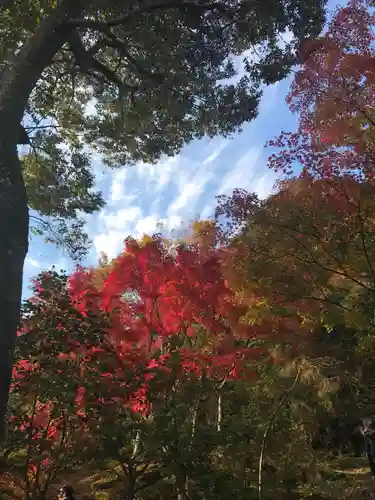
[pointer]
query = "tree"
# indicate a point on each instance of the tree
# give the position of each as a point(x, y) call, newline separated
point(160, 300)
point(307, 252)
point(333, 95)
point(152, 72)
point(333, 92)
point(44, 425)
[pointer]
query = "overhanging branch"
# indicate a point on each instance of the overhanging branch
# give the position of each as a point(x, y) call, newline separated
point(126, 18)
point(89, 65)
point(115, 42)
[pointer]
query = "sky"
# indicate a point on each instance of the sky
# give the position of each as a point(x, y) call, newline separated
point(175, 190)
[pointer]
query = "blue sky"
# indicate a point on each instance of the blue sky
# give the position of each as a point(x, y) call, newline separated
point(177, 189)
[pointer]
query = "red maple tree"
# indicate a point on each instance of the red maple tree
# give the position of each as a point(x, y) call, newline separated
point(334, 95)
point(160, 304)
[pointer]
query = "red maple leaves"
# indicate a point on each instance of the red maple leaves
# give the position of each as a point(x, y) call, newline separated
point(333, 93)
point(158, 304)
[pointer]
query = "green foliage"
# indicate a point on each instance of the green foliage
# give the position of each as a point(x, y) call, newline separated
point(134, 81)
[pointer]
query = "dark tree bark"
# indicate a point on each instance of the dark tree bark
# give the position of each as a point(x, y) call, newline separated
point(370, 452)
point(368, 431)
point(16, 85)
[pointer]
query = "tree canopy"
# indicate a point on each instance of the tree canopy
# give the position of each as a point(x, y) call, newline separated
point(128, 81)
point(137, 81)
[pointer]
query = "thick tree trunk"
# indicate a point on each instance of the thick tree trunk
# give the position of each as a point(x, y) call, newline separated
point(16, 85)
point(14, 221)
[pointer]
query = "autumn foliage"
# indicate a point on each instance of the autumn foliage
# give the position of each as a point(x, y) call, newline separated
point(333, 93)
point(160, 301)
point(142, 350)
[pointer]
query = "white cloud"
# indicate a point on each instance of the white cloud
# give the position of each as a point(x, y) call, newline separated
point(115, 227)
point(249, 173)
point(243, 173)
point(207, 212)
point(152, 224)
point(63, 263)
point(118, 185)
point(111, 239)
point(172, 222)
point(182, 181)
point(147, 225)
point(263, 186)
point(216, 152)
point(121, 219)
point(160, 174)
point(109, 242)
point(189, 194)
point(33, 262)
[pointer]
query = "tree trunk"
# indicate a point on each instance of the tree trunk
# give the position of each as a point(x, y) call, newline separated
point(219, 411)
point(182, 494)
point(130, 492)
point(182, 488)
point(16, 85)
point(14, 222)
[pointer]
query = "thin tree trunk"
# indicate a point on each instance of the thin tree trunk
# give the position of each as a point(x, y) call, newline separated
point(267, 429)
point(16, 85)
point(130, 492)
point(219, 411)
point(182, 486)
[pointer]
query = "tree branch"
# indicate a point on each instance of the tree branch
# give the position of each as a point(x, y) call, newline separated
point(126, 18)
point(115, 42)
point(83, 58)
point(88, 63)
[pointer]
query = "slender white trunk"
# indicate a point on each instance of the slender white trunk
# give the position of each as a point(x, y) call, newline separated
point(219, 411)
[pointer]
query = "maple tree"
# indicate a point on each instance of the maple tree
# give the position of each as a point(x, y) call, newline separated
point(158, 300)
point(333, 95)
point(306, 252)
point(46, 417)
point(333, 92)
point(170, 310)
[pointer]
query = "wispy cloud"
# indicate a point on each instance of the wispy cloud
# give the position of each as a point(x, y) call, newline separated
point(29, 261)
point(188, 195)
point(216, 152)
point(118, 186)
point(243, 173)
point(113, 228)
point(120, 219)
point(175, 190)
